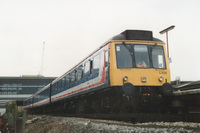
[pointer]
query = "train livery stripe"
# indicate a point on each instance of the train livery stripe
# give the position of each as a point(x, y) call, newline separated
point(79, 90)
point(90, 86)
point(41, 103)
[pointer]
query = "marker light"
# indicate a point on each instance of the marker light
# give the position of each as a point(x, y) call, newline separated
point(161, 79)
point(125, 78)
point(144, 79)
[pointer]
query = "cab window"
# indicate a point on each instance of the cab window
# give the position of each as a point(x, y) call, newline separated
point(124, 57)
point(158, 57)
point(141, 56)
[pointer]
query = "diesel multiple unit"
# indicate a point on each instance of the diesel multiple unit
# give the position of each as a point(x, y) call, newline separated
point(128, 73)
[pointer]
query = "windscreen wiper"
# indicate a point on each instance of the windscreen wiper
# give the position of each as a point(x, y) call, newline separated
point(130, 51)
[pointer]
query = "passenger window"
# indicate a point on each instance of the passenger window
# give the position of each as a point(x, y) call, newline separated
point(57, 86)
point(60, 84)
point(79, 73)
point(73, 77)
point(63, 82)
point(87, 69)
point(96, 63)
point(106, 58)
point(67, 80)
point(54, 87)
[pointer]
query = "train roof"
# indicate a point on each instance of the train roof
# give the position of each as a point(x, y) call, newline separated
point(136, 35)
point(125, 35)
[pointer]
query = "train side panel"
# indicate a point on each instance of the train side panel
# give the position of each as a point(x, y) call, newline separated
point(41, 98)
point(93, 80)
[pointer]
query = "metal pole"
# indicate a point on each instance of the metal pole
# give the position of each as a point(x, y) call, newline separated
point(166, 31)
point(23, 121)
point(167, 44)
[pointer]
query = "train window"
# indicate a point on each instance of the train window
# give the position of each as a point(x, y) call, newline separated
point(79, 73)
point(158, 57)
point(53, 87)
point(87, 69)
point(60, 84)
point(91, 66)
point(96, 63)
point(73, 77)
point(141, 56)
point(63, 82)
point(124, 56)
point(56, 86)
point(43, 94)
point(46, 92)
point(67, 80)
point(106, 58)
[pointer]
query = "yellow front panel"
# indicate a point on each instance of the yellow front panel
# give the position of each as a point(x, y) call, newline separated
point(135, 75)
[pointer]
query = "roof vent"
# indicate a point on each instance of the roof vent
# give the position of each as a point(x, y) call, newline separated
point(138, 35)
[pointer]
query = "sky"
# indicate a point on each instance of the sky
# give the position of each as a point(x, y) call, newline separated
point(72, 29)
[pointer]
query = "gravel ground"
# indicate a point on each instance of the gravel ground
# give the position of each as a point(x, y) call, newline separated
point(55, 124)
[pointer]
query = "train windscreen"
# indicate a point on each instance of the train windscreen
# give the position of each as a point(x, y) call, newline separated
point(140, 56)
point(158, 58)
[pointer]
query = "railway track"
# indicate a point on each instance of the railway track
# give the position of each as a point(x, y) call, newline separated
point(142, 117)
point(74, 124)
point(183, 106)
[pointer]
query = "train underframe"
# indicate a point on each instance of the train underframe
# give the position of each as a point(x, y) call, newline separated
point(184, 104)
point(108, 101)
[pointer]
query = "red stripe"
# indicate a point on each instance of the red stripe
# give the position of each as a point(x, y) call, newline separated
point(93, 85)
point(41, 103)
point(96, 84)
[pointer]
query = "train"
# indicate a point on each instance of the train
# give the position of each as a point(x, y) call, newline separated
point(128, 73)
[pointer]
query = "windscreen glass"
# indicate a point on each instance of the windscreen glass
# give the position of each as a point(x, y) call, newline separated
point(158, 59)
point(124, 57)
point(140, 56)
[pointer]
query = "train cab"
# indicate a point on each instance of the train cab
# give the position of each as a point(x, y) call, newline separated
point(137, 60)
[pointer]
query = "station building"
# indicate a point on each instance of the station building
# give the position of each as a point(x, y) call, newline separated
point(20, 88)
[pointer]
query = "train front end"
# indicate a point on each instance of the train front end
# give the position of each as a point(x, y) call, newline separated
point(139, 66)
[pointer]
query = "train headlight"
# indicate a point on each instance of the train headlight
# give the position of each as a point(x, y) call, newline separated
point(161, 79)
point(144, 79)
point(125, 78)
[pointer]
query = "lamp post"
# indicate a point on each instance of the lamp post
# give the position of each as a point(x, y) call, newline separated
point(166, 31)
